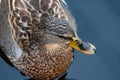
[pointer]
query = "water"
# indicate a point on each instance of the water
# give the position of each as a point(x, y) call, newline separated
point(98, 22)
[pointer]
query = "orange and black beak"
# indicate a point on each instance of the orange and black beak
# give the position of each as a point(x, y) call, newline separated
point(86, 48)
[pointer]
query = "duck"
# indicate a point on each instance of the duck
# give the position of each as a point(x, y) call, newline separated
point(42, 38)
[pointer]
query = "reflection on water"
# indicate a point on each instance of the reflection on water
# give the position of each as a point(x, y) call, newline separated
point(98, 22)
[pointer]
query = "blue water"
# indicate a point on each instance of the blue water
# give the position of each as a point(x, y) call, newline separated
point(98, 22)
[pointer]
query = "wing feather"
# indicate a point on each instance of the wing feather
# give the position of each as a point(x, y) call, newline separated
point(25, 17)
point(21, 17)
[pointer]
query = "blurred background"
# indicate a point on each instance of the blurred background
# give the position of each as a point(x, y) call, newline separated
point(99, 23)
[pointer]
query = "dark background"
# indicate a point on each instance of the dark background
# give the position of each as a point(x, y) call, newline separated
point(99, 23)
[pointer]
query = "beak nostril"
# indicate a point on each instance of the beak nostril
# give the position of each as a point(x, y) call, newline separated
point(84, 46)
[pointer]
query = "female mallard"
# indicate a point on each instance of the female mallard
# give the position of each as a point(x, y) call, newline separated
point(43, 35)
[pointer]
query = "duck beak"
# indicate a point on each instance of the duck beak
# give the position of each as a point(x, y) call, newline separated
point(86, 48)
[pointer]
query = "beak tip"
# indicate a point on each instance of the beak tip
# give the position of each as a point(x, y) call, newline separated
point(91, 49)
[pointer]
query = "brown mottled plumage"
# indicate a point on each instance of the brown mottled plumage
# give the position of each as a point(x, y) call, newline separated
point(45, 33)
